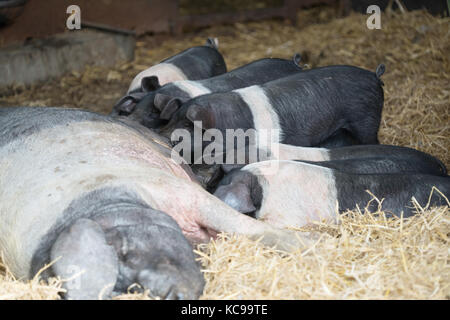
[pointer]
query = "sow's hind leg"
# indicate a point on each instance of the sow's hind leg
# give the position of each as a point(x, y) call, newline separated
point(84, 258)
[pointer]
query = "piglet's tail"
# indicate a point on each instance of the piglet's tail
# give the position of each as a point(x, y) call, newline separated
point(213, 43)
point(297, 58)
point(380, 71)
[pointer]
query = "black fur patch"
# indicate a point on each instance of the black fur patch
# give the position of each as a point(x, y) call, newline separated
point(254, 73)
point(314, 104)
point(410, 159)
point(381, 165)
point(396, 190)
point(199, 62)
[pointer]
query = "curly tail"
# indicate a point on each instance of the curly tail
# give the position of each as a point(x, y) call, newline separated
point(297, 58)
point(380, 70)
point(213, 43)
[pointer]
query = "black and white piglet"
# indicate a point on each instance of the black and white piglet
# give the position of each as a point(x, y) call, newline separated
point(305, 108)
point(367, 159)
point(291, 193)
point(158, 106)
point(195, 63)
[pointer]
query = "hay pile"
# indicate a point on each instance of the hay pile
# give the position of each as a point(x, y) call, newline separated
point(13, 289)
point(363, 257)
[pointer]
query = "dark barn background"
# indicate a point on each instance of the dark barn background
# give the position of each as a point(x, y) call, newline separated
point(25, 19)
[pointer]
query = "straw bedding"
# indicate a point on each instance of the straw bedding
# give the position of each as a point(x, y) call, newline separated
point(365, 256)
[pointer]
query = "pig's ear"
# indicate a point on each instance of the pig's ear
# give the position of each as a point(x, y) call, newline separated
point(84, 245)
point(203, 114)
point(127, 104)
point(237, 196)
point(150, 83)
point(167, 105)
point(161, 100)
point(171, 107)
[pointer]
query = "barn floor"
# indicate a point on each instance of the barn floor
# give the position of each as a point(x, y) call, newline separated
point(364, 257)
